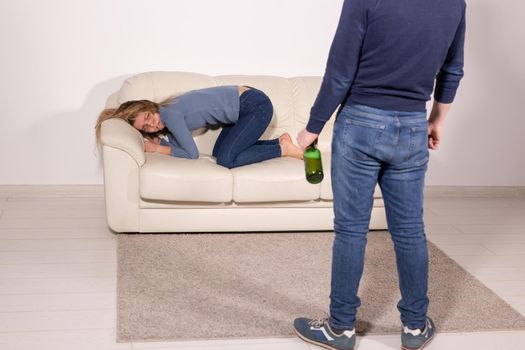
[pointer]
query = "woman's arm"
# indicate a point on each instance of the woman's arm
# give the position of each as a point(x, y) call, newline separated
point(169, 148)
point(181, 141)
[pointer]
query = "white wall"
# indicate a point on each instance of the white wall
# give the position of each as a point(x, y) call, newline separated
point(60, 59)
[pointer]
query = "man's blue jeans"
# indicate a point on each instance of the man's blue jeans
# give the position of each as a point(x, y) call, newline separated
point(373, 146)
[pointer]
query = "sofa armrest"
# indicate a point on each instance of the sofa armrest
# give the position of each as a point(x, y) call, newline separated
point(118, 134)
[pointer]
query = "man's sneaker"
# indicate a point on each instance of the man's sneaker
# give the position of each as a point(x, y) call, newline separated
point(417, 339)
point(320, 333)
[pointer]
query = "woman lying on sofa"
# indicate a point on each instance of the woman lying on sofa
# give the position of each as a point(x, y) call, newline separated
point(244, 112)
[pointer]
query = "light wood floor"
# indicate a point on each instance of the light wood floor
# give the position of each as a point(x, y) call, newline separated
point(58, 273)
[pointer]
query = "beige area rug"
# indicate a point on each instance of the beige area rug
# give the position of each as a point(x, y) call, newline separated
point(181, 287)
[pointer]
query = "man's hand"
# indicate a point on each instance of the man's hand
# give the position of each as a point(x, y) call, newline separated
point(434, 136)
point(306, 138)
point(435, 121)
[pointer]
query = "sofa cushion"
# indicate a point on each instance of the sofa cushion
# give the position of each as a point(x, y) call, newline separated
point(274, 180)
point(187, 180)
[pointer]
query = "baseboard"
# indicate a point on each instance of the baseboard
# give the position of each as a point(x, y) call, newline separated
point(475, 192)
point(97, 191)
point(51, 191)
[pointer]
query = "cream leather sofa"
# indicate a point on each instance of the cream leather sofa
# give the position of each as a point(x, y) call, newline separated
point(157, 193)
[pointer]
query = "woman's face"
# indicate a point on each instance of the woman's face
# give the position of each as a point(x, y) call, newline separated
point(148, 122)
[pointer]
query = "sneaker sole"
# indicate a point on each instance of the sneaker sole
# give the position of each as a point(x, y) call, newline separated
point(323, 345)
point(421, 347)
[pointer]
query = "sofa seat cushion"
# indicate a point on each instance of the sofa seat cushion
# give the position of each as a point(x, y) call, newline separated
point(173, 179)
point(326, 186)
point(274, 180)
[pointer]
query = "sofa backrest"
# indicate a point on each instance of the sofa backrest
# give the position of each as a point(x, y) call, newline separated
point(292, 99)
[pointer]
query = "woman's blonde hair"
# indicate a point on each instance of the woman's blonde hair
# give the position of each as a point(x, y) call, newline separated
point(128, 111)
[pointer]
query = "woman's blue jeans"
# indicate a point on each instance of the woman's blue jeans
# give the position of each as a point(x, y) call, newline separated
point(238, 144)
point(373, 146)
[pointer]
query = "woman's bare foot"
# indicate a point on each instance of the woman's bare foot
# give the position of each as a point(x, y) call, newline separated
point(285, 137)
point(288, 149)
point(242, 89)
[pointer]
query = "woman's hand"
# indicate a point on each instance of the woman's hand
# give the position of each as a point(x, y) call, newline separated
point(306, 138)
point(150, 146)
point(154, 146)
point(155, 140)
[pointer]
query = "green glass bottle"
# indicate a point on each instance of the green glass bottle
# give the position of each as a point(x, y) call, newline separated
point(313, 166)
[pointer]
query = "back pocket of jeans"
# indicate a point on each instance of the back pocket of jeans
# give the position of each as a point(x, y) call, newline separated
point(361, 138)
point(418, 151)
point(418, 134)
point(367, 124)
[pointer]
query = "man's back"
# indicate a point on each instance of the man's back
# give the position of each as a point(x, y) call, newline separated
point(387, 54)
point(405, 45)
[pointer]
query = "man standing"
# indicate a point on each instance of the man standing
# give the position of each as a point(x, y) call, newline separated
point(383, 63)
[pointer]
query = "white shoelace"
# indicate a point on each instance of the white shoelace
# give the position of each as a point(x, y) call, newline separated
point(317, 323)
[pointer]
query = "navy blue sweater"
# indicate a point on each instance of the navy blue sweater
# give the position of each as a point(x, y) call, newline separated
point(388, 54)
